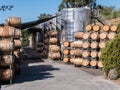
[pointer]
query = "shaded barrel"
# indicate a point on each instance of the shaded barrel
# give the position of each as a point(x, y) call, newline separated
point(6, 31)
point(53, 33)
point(17, 43)
point(78, 61)
point(54, 48)
point(53, 40)
point(6, 60)
point(17, 33)
point(6, 45)
point(6, 74)
point(14, 21)
point(79, 35)
point(78, 44)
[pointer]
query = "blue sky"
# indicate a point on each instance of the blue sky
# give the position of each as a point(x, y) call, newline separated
point(28, 10)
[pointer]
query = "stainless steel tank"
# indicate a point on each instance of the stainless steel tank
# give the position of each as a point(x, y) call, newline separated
point(75, 19)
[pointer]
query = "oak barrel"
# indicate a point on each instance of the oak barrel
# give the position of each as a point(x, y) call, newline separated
point(102, 44)
point(94, 45)
point(53, 33)
point(111, 35)
point(78, 61)
point(17, 43)
point(65, 59)
point(53, 40)
point(103, 35)
point(106, 28)
point(6, 45)
point(7, 32)
point(79, 35)
point(85, 62)
point(96, 27)
point(86, 44)
point(78, 44)
point(113, 28)
point(93, 63)
point(14, 21)
point(66, 44)
point(85, 53)
point(88, 28)
point(6, 60)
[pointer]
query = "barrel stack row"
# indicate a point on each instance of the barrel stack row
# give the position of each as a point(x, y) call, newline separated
point(68, 52)
point(54, 49)
point(9, 45)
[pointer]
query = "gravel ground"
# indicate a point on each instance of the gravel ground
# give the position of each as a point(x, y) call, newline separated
point(38, 74)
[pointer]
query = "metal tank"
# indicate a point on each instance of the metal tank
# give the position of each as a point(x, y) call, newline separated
point(75, 19)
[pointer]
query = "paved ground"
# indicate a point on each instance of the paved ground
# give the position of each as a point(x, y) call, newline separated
point(38, 74)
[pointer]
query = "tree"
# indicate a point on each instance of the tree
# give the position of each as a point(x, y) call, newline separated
point(73, 3)
point(44, 15)
point(6, 7)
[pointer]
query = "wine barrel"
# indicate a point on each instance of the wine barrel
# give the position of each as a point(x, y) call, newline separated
point(86, 35)
point(65, 60)
point(17, 33)
point(6, 60)
point(100, 65)
point(93, 63)
point(113, 28)
point(54, 48)
point(65, 52)
point(96, 27)
point(85, 45)
point(78, 61)
point(72, 52)
point(94, 36)
point(85, 62)
point(55, 55)
point(78, 35)
point(66, 44)
point(88, 28)
point(78, 44)
point(6, 45)
point(72, 60)
point(7, 32)
point(102, 44)
point(111, 35)
point(78, 52)
point(14, 21)
point(6, 74)
point(94, 54)
point(72, 44)
point(106, 28)
point(85, 53)
point(53, 33)
point(53, 40)
point(17, 43)
point(94, 45)
point(103, 35)
point(99, 53)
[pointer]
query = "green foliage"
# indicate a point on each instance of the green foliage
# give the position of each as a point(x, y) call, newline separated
point(44, 15)
point(111, 55)
point(25, 38)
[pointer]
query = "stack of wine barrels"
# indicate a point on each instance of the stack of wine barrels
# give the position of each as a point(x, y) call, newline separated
point(54, 49)
point(7, 47)
point(68, 52)
point(78, 43)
